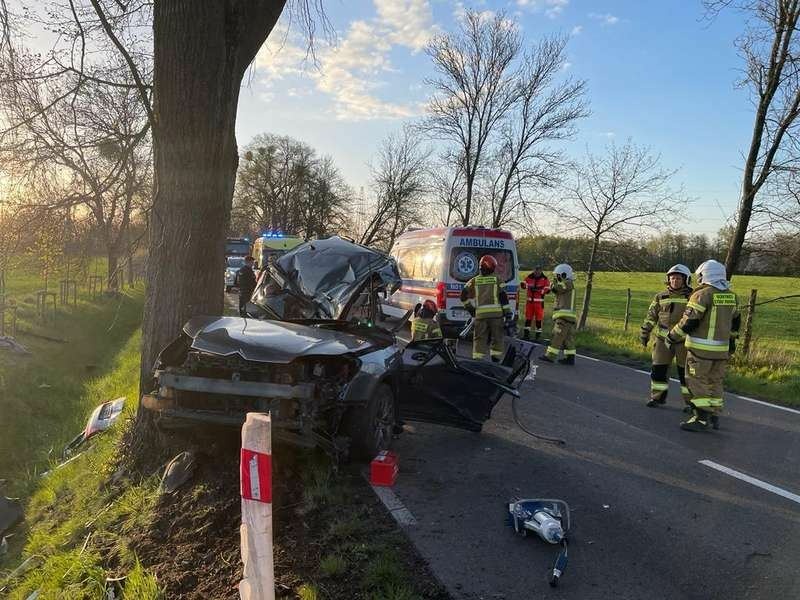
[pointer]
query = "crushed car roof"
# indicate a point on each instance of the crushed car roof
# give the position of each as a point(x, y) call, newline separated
point(328, 274)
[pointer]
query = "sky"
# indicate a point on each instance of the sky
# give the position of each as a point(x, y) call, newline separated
point(659, 73)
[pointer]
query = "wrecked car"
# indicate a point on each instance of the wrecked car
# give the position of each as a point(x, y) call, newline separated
point(319, 356)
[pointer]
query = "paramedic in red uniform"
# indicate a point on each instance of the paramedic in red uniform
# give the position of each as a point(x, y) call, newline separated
point(537, 284)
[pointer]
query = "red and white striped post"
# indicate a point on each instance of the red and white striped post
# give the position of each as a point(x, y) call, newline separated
point(258, 582)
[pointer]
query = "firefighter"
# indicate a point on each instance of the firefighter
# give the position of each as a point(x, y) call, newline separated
point(665, 311)
point(425, 326)
point(485, 298)
point(563, 318)
point(708, 328)
point(246, 279)
point(537, 285)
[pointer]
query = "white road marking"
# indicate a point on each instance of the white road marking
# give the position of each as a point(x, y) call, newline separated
point(394, 505)
point(745, 398)
point(751, 480)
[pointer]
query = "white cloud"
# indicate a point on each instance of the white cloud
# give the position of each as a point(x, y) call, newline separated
point(605, 19)
point(408, 22)
point(608, 134)
point(350, 72)
point(551, 8)
point(576, 30)
point(566, 66)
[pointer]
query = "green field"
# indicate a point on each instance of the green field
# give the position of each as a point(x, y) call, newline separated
point(772, 370)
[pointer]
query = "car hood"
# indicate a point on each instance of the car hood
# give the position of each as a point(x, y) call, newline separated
point(320, 279)
point(269, 341)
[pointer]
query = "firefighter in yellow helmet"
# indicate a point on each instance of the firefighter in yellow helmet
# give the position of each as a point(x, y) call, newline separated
point(424, 326)
point(564, 317)
point(485, 298)
point(665, 311)
point(709, 328)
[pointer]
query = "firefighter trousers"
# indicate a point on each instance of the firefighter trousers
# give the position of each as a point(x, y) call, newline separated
point(563, 338)
point(659, 372)
point(705, 378)
point(487, 338)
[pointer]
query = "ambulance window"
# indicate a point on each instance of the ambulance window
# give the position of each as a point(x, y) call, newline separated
point(464, 263)
point(421, 262)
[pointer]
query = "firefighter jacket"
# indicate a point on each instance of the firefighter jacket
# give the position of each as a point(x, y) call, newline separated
point(425, 329)
point(537, 287)
point(487, 295)
point(564, 307)
point(710, 321)
point(665, 311)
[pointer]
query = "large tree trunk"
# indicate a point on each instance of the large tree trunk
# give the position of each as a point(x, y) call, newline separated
point(201, 51)
point(742, 224)
point(587, 294)
point(112, 278)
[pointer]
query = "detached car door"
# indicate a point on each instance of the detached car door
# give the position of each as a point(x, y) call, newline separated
point(437, 387)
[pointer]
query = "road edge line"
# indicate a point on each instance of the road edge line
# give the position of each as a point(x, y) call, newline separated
point(735, 395)
point(751, 480)
point(394, 505)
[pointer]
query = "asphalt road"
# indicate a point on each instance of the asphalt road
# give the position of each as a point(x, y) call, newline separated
point(649, 520)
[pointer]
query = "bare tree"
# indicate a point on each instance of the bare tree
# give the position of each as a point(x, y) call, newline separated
point(614, 195)
point(501, 109)
point(473, 89)
point(769, 47)
point(399, 182)
point(448, 187)
point(544, 111)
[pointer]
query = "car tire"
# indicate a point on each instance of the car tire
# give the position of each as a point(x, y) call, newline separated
point(371, 427)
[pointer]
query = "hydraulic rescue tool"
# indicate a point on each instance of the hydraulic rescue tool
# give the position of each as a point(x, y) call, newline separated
point(549, 519)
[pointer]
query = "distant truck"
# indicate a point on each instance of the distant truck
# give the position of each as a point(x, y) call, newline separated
point(273, 245)
point(436, 263)
point(237, 246)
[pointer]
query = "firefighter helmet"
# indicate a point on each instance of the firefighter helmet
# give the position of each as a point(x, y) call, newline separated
point(564, 270)
point(680, 270)
point(428, 310)
point(709, 271)
point(488, 263)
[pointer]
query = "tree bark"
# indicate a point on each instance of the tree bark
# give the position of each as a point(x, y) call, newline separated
point(742, 224)
point(587, 294)
point(112, 279)
point(201, 52)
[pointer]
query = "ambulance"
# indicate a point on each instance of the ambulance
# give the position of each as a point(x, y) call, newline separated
point(436, 263)
point(273, 244)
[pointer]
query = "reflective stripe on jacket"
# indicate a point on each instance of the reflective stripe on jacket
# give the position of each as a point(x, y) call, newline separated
point(425, 329)
point(716, 313)
point(665, 311)
point(487, 294)
point(564, 306)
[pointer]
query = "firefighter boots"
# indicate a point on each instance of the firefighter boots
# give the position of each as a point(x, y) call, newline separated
point(546, 358)
point(697, 422)
point(567, 360)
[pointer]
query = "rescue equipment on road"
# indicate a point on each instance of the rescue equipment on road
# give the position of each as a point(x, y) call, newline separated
point(549, 519)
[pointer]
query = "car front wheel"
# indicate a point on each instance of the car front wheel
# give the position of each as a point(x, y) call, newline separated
point(371, 427)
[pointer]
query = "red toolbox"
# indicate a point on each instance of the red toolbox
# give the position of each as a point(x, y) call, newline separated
point(383, 469)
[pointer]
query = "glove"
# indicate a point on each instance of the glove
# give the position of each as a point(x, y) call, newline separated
point(732, 346)
point(668, 342)
point(471, 310)
point(644, 338)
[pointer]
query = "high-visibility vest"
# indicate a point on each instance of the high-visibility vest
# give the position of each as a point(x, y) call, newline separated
point(483, 292)
point(564, 307)
point(425, 329)
point(665, 311)
point(716, 310)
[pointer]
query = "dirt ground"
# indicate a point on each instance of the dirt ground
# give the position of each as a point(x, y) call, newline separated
point(192, 545)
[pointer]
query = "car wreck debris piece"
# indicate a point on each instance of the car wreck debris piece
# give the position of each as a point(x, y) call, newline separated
point(258, 574)
point(9, 343)
point(10, 513)
point(102, 417)
point(177, 472)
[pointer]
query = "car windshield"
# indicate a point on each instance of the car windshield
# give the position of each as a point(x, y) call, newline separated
point(235, 262)
point(464, 263)
point(241, 248)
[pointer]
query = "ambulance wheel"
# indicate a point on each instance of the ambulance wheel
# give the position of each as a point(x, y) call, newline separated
point(371, 427)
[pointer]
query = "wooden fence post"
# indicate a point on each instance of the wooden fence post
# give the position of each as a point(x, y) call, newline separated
point(255, 472)
point(628, 309)
point(748, 323)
